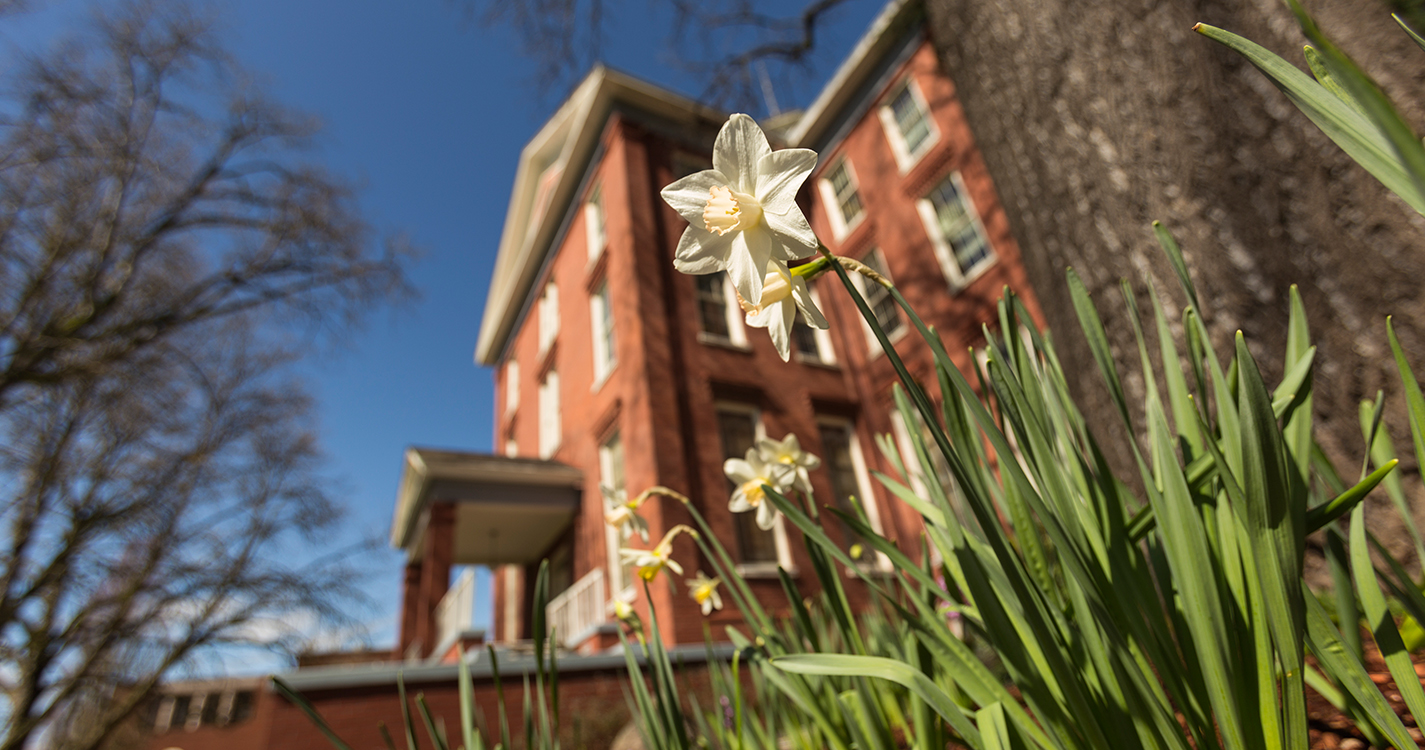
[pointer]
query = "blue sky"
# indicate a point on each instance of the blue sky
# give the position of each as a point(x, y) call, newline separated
point(427, 111)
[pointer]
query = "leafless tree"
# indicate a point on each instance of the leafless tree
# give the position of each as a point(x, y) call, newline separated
point(733, 47)
point(164, 257)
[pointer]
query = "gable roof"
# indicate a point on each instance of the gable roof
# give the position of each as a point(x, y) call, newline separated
point(551, 169)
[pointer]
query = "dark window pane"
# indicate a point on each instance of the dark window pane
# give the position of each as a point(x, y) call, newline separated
point(712, 304)
point(738, 430)
point(840, 467)
point(242, 707)
point(804, 340)
point(878, 297)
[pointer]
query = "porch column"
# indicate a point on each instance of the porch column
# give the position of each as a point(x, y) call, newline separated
point(435, 572)
point(410, 608)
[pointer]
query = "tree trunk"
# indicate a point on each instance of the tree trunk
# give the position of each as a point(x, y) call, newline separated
point(1097, 117)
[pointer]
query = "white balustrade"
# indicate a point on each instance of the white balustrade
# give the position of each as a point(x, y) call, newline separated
point(456, 611)
point(578, 609)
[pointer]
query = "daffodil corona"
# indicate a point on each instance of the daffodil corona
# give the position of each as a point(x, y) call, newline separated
point(651, 562)
point(783, 293)
point(788, 452)
point(704, 592)
point(742, 214)
point(751, 474)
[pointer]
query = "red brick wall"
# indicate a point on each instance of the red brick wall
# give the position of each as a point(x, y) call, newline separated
point(592, 704)
point(893, 224)
point(662, 396)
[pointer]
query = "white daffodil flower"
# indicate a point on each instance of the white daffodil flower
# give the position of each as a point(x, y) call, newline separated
point(783, 293)
point(650, 562)
point(750, 474)
point(788, 452)
point(743, 213)
point(622, 513)
point(704, 592)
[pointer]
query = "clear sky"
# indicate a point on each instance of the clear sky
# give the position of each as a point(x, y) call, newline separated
point(428, 111)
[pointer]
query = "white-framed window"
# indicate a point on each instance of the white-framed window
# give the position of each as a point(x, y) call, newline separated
point(719, 314)
point(550, 428)
point(621, 577)
point(845, 465)
point(759, 551)
point(843, 202)
point(908, 125)
point(879, 299)
point(548, 316)
point(955, 231)
point(812, 344)
point(594, 223)
point(602, 318)
point(512, 386)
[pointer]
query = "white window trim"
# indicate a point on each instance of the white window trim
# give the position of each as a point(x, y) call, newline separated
point(840, 227)
point(736, 333)
point(600, 317)
point(873, 346)
point(596, 227)
point(825, 353)
point(611, 533)
point(955, 276)
point(766, 568)
point(512, 386)
point(905, 159)
point(863, 482)
point(551, 422)
point(548, 317)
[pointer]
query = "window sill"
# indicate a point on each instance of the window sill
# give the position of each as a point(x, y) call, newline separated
point(974, 275)
point(599, 381)
point(807, 359)
point(721, 342)
point(762, 570)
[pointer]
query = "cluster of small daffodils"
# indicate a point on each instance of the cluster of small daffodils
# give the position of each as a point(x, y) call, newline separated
point(780, 464)
point(743, 218)
point(622, 514)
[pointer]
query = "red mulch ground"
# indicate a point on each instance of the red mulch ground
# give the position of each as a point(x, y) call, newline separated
point(1331, 730)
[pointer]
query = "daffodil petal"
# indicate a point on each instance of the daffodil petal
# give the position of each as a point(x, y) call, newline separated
point(700, 251)
point(740, 146)
point(780, 175)
point(747, 263)
point(802, 295)
point(738, 470)
point(793, 232)
point(766, 516)
point(689, 196)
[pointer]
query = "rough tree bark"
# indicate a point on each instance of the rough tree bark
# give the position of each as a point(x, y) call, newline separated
point(1097, 118)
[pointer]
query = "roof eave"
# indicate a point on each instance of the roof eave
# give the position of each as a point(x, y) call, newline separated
point(878, 41)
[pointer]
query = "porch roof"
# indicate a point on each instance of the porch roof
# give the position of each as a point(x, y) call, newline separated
point(507, 510)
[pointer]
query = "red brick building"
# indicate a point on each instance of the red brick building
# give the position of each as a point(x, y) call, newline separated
point(609, 361)
point(613, 369)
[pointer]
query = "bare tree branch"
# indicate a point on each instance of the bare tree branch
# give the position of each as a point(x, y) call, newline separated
point(156, 256)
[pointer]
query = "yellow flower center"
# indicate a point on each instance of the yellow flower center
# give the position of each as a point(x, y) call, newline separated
point(752, 489)
point(728, 210)
point(703, 592)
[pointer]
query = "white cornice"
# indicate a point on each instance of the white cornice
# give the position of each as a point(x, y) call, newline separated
point(567, 142)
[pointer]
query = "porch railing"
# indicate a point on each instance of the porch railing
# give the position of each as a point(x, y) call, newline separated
point(579, 609)
point(456, 611)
